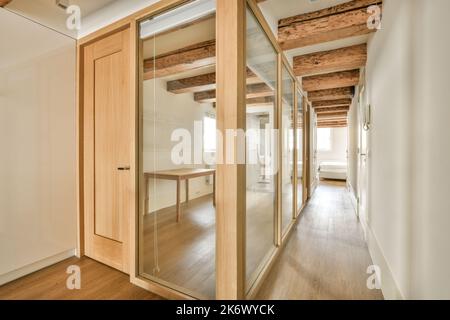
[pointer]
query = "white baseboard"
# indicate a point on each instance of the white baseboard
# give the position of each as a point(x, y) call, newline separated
point(19, 273)
point(353, 199)
point(389, 286)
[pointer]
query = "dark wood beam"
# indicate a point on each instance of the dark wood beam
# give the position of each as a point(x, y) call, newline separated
point(257, 90)
point(202, 82)
point(331, 94)
point(334, 23)
point(336, 115)
point(332, 125)
point(4, 2)
point(331, 110)
point(260, 101)
point(332, 103)
point(189, 58)
point(343, 59)
point(332, 122)
point(331, 80)
point(347, 6)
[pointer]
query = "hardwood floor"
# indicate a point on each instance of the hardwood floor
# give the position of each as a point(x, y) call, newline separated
point(326, 256)
point(183, 254)
point(98, 282)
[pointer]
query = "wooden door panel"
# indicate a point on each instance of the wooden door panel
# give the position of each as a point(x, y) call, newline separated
point(107, 97)
point(107, 147)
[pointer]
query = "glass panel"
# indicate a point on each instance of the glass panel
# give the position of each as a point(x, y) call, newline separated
point(300, 126)
point(178, 138)
point(287, 149)
point(261, 147)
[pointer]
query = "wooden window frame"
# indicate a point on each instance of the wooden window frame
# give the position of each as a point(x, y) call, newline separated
point(280, 239)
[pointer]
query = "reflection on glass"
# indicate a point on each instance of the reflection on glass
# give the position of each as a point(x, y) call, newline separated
point(287, 149)
point(261, 147)
point(177, 220)
point(299, 151)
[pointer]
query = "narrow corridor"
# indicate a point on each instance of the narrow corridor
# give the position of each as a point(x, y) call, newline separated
point(326, 256)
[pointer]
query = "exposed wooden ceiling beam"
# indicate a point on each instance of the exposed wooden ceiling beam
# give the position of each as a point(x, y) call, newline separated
point(332, 122)
point(202, 82)
point(332, 110)
point(328, 123)
point(331, 80)
point(324, 122)
point(336, 115)
point(348, 58)
point(4, 2)
point(332, 126)
point(192, 57)
point(347, 6)
point(253, 91)
point(260, 101)
point(332, 103)
point(338, 22)
point(205, 96)
point(331, 94)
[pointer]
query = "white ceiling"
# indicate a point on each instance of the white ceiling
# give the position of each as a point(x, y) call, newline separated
point(47, 13)
point(89, 6)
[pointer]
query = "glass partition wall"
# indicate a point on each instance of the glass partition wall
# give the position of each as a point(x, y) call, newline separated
point(272, 137)
point(261, 166)
point(287, 150)
point(178, 142)
point(177, 149)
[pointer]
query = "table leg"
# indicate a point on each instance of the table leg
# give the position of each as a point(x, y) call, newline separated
point(214, 189)
point(187, 190)
point(178, 200)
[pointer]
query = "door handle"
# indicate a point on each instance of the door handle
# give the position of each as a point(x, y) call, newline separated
point(124, 168)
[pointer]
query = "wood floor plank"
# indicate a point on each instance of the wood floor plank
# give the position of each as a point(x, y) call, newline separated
point(326, 257)
point(98, 282)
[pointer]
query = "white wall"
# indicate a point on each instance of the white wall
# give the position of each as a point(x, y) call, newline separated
point(338, 151)
point(165, 112)
point(407, 86)
point(37, 137)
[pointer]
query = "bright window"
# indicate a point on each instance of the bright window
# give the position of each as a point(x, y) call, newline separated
point(209, 134)
point(324, 139)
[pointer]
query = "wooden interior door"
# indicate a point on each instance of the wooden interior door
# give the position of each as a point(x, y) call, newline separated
point(107, 150)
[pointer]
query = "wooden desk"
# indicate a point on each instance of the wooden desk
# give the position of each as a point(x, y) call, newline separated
point(179, 175)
